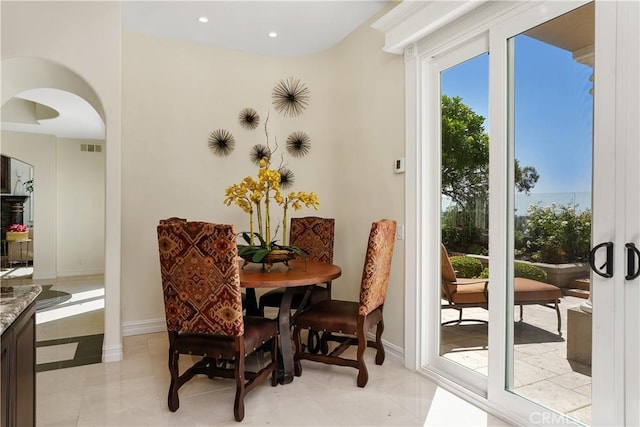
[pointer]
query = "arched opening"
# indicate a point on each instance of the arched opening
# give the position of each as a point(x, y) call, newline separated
point(52, 119)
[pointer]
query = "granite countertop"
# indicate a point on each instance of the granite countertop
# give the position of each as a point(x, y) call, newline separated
point(13, 301)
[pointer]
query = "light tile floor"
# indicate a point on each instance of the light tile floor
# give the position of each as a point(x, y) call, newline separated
point(133, 391)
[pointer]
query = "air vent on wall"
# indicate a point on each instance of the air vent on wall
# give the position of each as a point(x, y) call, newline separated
point(92, 148)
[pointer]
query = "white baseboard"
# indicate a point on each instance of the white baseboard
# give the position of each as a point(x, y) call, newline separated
point(390, 349)
point(89, 272)
point(394, 351)
point(38, 275)
point(112, 354)
point(140, 327)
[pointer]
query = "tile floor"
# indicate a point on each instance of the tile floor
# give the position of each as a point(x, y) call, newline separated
point(133, 392)
point(541, 370)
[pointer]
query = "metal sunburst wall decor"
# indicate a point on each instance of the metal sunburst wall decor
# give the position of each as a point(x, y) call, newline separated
point(258, 152)
point(221, 142)
point(287, 178)
point(290, 97)
point(298, 144)
point(249, 118)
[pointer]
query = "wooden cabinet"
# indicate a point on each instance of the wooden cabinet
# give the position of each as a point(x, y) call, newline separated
point(18, 398)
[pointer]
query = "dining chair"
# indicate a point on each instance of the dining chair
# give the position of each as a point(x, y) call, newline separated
point(314, 235)
point(179, 219)
point(203, 310)
point(352, 320)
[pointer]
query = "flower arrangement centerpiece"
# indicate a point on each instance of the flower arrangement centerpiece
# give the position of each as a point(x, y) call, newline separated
point(260, 195)
point(17, 232)
point(256, 196)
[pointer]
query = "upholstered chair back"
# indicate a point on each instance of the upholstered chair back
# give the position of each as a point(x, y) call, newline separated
point(377, 265)
point(315, 236)
point(200, 278)
point(172, 219)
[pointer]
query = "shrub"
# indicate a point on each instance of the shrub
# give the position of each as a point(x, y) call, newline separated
point(529, 271)
point(465, 266)
point(555, 234)
point(460, 233)
point(522, 269)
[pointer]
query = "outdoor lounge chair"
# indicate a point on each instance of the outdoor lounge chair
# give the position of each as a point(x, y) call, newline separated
point(462, 293)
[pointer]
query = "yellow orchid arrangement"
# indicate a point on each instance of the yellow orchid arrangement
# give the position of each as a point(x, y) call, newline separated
point(250, 195)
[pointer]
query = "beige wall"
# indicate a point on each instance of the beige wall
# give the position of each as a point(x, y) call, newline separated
point(175, 94)
point(84, 38)
point(40, 152)
point(369, 112)
point(80, 205)
point(68, 203)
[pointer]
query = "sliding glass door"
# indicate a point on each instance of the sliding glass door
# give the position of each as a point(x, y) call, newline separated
point(529, 291)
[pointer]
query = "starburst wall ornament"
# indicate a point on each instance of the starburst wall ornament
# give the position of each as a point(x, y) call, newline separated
point(221, 142)
point(290, 97)
point(249, 118)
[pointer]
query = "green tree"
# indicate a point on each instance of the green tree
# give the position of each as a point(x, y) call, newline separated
point(465, 156)
point(465, 177)
point(465, 153)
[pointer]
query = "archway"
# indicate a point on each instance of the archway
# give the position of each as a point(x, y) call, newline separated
point(37, 93)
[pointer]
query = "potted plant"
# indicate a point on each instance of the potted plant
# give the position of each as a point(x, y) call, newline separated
point(255, 196)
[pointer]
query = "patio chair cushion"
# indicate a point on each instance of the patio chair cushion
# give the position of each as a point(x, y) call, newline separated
point(531, 291)
point(527, 291)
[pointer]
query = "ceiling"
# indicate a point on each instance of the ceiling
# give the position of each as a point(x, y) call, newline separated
point(303, 27)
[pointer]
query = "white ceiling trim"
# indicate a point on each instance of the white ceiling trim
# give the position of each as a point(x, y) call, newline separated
point(412, 20)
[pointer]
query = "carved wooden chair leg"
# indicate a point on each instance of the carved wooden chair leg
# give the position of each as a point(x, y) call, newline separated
point(363, 374)
point(324, 342)
point(238, 407)
point(379, 347)
point(313, 341)
point(172, 399)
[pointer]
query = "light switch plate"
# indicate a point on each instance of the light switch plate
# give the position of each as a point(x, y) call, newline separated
point(398, 165)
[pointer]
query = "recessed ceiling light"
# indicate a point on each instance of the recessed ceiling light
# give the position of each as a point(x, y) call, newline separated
point(273, 34)
point(203, 19)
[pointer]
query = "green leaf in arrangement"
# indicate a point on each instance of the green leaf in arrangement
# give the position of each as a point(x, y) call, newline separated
point(260, 254)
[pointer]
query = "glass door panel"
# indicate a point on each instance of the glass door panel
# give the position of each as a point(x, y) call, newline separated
point(464, 223)
point(551, 102)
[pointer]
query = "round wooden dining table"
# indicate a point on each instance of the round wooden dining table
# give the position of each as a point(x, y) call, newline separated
point(297, 273)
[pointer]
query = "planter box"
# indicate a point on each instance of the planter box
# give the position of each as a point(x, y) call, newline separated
point(560, 275)
point(17, 235)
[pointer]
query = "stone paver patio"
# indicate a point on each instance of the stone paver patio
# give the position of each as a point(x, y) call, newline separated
point(542, 372)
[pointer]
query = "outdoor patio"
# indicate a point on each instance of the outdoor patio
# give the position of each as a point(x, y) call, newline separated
point(542, 372)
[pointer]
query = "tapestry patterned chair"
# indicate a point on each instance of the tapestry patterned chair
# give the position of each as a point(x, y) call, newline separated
point(202, 299)
point(315, 236)
point(352, 320)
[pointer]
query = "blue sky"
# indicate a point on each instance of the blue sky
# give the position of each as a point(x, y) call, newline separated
point(553, 111)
